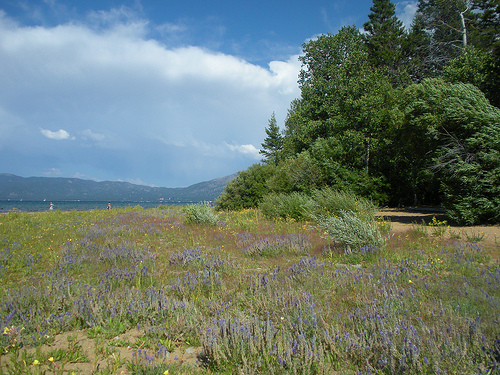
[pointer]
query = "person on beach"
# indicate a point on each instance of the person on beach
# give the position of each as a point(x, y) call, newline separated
point(51, 207)
point(109, 205)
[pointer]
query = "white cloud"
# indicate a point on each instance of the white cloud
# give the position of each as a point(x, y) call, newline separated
point(58, 135)
point(405, 10)
point(249, 150)
point(89, 134)
point(156, 114)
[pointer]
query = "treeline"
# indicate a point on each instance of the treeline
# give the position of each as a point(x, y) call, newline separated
point(403, 117)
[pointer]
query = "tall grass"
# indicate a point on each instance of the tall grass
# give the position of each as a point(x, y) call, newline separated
point(249, 295)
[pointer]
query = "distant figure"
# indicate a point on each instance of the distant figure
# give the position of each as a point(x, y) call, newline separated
point(51, 207)
point(109, 205)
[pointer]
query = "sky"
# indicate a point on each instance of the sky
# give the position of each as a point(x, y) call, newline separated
point(161, 93)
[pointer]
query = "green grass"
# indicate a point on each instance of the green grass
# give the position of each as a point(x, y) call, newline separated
point(251, 294)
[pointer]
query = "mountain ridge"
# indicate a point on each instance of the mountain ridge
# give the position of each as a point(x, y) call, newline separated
point(13, 187)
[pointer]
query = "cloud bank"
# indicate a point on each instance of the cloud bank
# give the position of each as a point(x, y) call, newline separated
point(133, 108)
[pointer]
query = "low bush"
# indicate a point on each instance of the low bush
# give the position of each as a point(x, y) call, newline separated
point(328, 201)
point(350, 230)
point(200, 213)
point(285, 206)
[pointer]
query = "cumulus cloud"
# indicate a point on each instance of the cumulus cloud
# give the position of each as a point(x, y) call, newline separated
point(152, 113)
point(249, 150)
point(58, 135)
point(405, 10)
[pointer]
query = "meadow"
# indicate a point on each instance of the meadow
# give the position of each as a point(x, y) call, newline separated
point(148, 291)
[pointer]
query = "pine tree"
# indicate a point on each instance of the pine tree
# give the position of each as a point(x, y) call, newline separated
point(273, 144)
point(487, 25)
point(384, 37)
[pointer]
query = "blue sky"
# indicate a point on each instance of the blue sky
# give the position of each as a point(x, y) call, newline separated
point(163, 93)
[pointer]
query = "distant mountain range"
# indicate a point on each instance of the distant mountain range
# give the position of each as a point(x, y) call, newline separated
point(59, 189)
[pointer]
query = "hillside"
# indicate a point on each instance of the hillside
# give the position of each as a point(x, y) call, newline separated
point(56, 188)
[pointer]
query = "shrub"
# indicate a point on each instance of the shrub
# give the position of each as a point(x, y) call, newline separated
point(200, 213)
point(286, 206)
point(328, 201)
point(350, 230)
point(246, 190)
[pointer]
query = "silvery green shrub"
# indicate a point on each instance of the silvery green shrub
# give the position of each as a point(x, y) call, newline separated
point(350, 230)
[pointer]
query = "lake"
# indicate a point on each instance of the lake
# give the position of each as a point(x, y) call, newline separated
point(38, 206)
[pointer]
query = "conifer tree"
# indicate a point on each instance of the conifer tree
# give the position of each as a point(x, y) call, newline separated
point(384, 37)
point(445, 23)
point(487, 25)
point(273, 144)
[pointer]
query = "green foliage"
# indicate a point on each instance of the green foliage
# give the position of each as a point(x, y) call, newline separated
point(440, 23)
point(467, 158)
point(246, 190)
point(479, 68)
point(347, 218)
point(285, 206)
point(359, 126)
point(273, 144)
point(487, 25)
point(299, 173)
point(200, 213)
point(335, 158)
point(350, 230)
point(384, 37)
point(332, 202)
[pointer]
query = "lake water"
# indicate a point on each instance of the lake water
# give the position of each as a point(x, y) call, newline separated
point(38, 206)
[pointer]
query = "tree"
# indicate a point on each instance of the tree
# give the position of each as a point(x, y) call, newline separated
point(411, 151)
point(487, 25)
point(246, 190)
point(451, 131)
point(345, 101)
point(477, 67)
point(334, 81)
point(273, 144)
point(298, 173)
point(384, 38)
point(444, 24)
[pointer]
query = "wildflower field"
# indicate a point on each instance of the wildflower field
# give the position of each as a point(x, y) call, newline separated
point(138, 291)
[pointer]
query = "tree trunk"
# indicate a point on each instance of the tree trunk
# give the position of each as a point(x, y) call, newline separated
point(464, 29)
